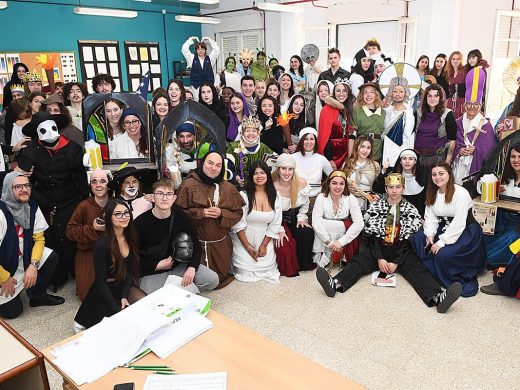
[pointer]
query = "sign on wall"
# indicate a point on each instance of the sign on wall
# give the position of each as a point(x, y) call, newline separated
point(64, 66)
point(141, 57)
point(100, 57)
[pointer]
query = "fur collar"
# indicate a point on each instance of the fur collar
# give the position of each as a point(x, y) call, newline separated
point(334, 103)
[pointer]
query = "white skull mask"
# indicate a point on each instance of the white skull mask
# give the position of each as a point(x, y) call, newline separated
point(48, 131)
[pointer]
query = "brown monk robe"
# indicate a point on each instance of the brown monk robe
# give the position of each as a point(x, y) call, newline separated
point(80, 229)
point(198, 197)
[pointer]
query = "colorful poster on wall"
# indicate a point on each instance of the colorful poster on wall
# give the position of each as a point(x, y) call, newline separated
point(64, 66)
point(141, 57)
point(100, 57)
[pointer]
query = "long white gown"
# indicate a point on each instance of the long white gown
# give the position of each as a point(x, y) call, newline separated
point(328, 226)
point(257, 225)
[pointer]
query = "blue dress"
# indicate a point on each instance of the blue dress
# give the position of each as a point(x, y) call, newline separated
point(462, 256)
point(497, 246)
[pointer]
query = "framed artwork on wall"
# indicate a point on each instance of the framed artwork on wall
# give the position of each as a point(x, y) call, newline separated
point(100, 57)
point(142, 57)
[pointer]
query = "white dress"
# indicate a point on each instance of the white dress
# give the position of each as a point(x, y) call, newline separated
point(257, 225)
point(311, 167)
point(40, 225)
point(328, 226)
point(391, 150)
point(122, 147)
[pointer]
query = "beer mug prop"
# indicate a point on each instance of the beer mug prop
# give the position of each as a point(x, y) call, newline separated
point(92, 157)
point(487, 187)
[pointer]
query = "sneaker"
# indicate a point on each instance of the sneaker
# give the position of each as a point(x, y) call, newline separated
point(491, 289)
point(448, 297)
point(77, 327)
point(46, 300)
point(326, 281)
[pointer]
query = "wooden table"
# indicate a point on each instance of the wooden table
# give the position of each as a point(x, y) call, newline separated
point(501, 204)
point(21, 365)
point(251, 361)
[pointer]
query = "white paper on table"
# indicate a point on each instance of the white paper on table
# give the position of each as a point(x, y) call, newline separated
point(205, 381)
point(185, 327)
point(109, 344)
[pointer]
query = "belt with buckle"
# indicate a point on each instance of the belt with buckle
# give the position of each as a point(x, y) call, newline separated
point(374, 135)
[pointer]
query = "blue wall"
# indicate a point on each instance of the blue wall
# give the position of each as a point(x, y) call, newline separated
point(40, 26)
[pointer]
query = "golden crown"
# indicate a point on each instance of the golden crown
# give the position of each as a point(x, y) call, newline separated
point(251, 121)
point(28, 77)
point(246, 54)
point(17, 88)
point(394, 179)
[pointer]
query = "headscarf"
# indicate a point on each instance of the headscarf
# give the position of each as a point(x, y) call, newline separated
point(232, 131)
point(205, 178)
point(21, 211)
point(14, 77)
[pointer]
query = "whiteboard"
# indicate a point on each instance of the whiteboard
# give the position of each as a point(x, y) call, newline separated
point(352, 37)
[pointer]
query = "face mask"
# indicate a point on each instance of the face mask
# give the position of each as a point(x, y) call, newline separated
point(48, 132)
point(131, 191)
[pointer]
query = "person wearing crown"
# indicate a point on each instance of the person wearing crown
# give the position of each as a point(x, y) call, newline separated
point(248, 149)
point(399, 121)
point(201, 64)
point(475, 135)
point(390, 223)
point(245, 58)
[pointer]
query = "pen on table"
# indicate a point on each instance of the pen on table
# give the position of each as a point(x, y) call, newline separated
point(151, 369)
point(165, 373)
point(138, 366)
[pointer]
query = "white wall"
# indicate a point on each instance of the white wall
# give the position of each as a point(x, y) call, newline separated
point(443, 25)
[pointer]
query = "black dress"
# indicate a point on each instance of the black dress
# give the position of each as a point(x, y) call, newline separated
point(104, 298)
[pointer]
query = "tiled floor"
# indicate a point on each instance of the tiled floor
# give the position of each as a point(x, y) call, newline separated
point(380, 337)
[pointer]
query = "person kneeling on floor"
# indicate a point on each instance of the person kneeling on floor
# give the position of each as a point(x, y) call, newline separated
point(390, 223)
point(24, 260)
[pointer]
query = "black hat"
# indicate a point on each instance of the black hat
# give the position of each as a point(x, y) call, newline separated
point(30, 128)
point(143, 175)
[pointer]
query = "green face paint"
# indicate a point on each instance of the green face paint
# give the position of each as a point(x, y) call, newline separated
point(230, 66)
point(260, 60)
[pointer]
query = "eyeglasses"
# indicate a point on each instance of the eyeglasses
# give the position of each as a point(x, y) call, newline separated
point(133, 123)
point(164, 195)
point(19, 187)
point(122, 214)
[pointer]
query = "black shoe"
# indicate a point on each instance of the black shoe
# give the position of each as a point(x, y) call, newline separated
point(46, 300)
point(326, 281)
point(448, 297)
point(491, 289)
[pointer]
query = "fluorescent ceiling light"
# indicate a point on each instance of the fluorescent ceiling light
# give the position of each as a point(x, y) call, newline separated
point(295, 9)
point(117, 13)
point(3, 4)
point(201, 1)
point(197, 19)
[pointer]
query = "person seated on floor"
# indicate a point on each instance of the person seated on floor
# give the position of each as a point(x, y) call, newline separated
point(248, 149)
point(214, 206)
point(451, 244)
point(337, 221)
point(24, 260)
point(414, 179)
point(362, 171)
point(86, 226)
point(507, 222)
point(116, 265)
point(253, 256)
point(127, 185)
point(169, 246)
point(390, 223)
point(506, 283)
point(294, 246)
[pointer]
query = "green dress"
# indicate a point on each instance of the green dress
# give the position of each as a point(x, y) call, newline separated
point(368, 123)
point(248, 156)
